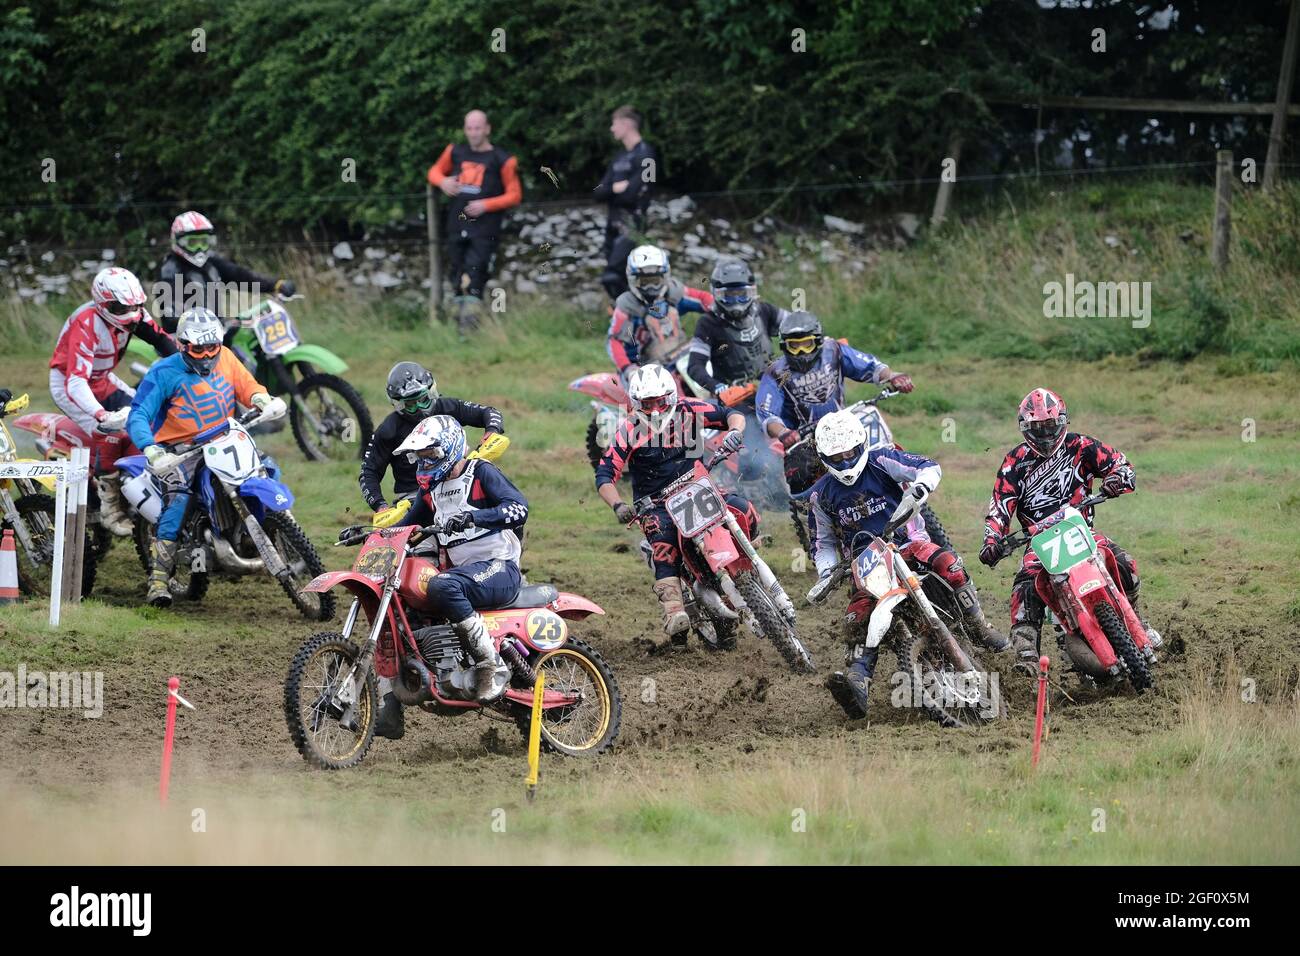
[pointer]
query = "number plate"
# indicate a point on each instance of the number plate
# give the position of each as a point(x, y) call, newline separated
point(695, 508)
point(232, 457)
point(878, 433)
point(1065, 543)
point(275, 333)
point(871, 571)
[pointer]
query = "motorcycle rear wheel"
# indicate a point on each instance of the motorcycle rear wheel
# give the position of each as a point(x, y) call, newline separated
point(314, 726)
point(588, 727)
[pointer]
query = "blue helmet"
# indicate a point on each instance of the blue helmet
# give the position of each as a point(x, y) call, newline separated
point(435, 446)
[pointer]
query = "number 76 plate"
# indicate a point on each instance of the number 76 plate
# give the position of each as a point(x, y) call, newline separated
point(695, 508)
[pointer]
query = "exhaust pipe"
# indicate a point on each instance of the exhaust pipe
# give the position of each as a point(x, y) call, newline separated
point(414, 685)
point(712, 600)
point(227, 559)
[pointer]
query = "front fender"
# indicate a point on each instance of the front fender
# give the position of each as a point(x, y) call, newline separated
point(882, 615)
point(271, 494)
point(575, 607)
point(318, 356)
point(605, 387)
point(365, 588)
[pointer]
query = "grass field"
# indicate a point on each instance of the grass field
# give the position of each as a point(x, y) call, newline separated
point(732, 759)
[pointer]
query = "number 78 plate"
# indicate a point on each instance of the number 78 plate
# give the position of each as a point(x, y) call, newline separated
point(1065, 543)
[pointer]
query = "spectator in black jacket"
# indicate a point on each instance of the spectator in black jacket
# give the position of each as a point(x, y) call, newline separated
point(626, 187)
point(414, 395)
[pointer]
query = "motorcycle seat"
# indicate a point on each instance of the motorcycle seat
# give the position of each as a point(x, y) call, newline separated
point(531, 595)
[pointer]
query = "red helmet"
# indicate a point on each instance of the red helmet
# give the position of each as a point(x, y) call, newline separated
point(119, 298)
point(192, 237)
point(1042, 421)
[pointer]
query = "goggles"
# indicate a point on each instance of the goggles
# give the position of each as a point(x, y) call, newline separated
point(206, 351)
point(656, 404)
point(804, 345)
point(196, 241)
point(415, 403)
point(432, 453)
point(844, 457)
point(735, 295)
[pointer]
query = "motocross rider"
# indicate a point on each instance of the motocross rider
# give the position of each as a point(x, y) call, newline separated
point(646, 326)
point(83, 386)
point(1051, 468)
point(735, 338)
point(186, 398)
point(481, 516)
point(414, 394)
point(659, 443)
point(191, 272)
point(862, 492)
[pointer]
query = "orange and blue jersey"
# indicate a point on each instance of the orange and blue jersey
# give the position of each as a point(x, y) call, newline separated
point(174, 404)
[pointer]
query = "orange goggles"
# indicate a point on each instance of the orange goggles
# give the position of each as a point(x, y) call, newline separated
point(801, 346)
point(203, 351)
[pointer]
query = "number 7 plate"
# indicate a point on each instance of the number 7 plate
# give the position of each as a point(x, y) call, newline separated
point(1065, 543)
point(695, 508)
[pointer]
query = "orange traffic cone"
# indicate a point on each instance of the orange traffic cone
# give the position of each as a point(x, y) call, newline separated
point(8, 569)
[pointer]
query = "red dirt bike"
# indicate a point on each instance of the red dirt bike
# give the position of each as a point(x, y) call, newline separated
point(1096, 627)
point(330, 695)
point(729, 582)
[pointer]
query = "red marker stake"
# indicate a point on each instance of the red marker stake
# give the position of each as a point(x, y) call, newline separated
point(1043, 663)
point(173, 687)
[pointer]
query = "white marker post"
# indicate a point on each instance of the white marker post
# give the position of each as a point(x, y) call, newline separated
point(69, 477)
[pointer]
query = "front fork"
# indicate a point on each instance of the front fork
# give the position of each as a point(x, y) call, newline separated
point(275, 565)
point(773, 586)
point(20, 527)
point(285, 378)
point(907, 577)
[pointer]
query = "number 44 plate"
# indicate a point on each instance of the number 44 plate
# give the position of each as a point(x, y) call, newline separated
point(1065, 543)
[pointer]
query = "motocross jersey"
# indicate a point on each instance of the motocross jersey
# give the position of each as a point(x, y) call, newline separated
point(89, 349)
point(739, 353)
point(1032, 488)
point(174, 404)
point(186, 286)
point(640, 334)
point(392, 431)
point(498, 508)
point(657, 460)
point(841, 511)
point(489, 175)
point(795, 398)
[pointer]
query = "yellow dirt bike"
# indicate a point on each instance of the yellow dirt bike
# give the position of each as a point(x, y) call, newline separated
point(27, 507)
point(490, 449)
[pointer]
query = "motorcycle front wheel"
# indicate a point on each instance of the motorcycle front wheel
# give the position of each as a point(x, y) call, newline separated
point(343, 426)
point(947, 696)
point(314, 722)
point(36, 568)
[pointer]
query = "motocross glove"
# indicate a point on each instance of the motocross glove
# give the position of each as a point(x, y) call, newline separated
point(111, 421)
point(458, 522)
point(732, 441)
point(286, 288)
point(153, 452)
point(271, 406)
point(991, 553)
point(789, 437)
point(901, 382)
point(386, 517)
point(624, 512)
point(1114, 486)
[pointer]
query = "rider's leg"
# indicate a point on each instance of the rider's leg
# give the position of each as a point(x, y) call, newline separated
point(1026, 612)
point(456, 594)
point(162, 551)
point(661, 534)
point(851, 686)
point(617, 247)
point(390, 722)
point(948, 565)
point(104, 453)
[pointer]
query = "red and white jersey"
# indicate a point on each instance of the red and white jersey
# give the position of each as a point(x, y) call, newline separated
point(87, 352)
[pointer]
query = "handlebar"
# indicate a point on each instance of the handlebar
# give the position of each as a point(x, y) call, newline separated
point(357, 533)
point(1021, 538)
point(807, 428)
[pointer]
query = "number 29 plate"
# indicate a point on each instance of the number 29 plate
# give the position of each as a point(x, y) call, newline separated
point(695, 508)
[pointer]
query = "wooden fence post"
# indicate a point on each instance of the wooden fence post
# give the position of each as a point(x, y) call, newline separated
point(435, 251)
point(945, 185)
point(1222, 209)
point(1285, 80)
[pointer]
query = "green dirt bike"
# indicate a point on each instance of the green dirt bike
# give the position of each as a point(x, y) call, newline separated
point(330, 420)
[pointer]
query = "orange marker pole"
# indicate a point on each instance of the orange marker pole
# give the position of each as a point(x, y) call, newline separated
point(1043, 664)
point(173, 687)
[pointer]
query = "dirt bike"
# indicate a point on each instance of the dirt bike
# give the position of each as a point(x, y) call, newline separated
point(918, 615)
point(330, 421)
point(803, 468)
point(1096, 627)
point(330, 695)
point(238, 521)
point(27, 508)
point(728, 582)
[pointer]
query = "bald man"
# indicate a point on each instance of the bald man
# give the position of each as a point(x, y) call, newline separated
point(482, 182)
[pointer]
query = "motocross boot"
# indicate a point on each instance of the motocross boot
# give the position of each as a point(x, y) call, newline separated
point(676, 620)
point(491, 675)
point(162, 565)
point(850, 688)
point(1153, 636)
point(1024, 641)
point(984, 632)
point(112, 509)
point(390, 722)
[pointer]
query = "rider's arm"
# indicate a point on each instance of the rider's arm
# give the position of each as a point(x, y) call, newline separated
point(826, 550)
point(905, 467)
point(1100, 460)
point(694, 300)
point(701, 350)
point(862, 366)
point(233, 272)
point(80, 366)
point(471, 413)
point(506, 505)
point(148, 402)
point(514, 192)
point(1002, 505)
point(379, 453)
point(769, 405)
point(620, 333)
point(610, 468)
point(239, 377)
point(151, 333)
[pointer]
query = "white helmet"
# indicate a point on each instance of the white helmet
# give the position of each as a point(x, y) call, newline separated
point(435, 446)
point(198, 338)
point(842, 445)
point(647, 273)
point(119, 298)
point(193, 237)
point(652, 392)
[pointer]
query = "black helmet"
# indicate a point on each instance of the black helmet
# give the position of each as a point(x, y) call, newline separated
point(801, 340)
point(734, 291)
point(411, 389)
